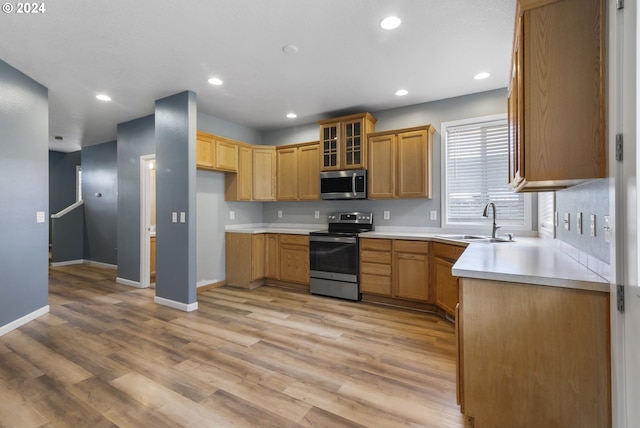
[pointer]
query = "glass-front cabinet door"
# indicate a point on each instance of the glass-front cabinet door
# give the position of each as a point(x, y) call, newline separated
point(343, 141)
point(329, 142)
point(353, 148)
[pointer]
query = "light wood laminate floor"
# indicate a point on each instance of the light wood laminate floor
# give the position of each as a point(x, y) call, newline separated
point(106, 355)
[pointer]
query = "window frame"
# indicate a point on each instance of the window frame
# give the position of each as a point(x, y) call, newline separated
point(482, 224)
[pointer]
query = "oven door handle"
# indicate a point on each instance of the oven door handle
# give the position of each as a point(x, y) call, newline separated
point(347, 240)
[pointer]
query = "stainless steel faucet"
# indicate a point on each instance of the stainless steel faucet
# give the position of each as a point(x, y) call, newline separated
point(485, 213)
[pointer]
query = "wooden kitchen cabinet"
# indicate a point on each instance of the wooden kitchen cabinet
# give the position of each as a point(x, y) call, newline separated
point(152, 259)
point(533, 355)
point(294, 258)
point(375, 266)
point(400, 163)
point(216, 153)
point(264, 173)
point(272, 256)
point(298, 172)
point(245, 259)
point(556, 102)
point(343, 141)
point(410, 270)
point(445, 284)
point(287, 167)
point(238, 186)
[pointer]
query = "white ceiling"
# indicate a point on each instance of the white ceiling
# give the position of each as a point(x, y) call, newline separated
point(138, 51)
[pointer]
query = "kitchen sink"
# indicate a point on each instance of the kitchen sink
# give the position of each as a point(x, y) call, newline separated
point(475, 238)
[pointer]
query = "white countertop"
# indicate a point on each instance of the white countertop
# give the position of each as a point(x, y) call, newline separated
point(528, 261)
point(291, 230)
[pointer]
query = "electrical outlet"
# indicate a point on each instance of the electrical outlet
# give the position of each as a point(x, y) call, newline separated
point(592, 224)
point(579, 223)
point(317, 214)
point(567, 222)
point(386, 215)
point(40, 217)
point(607, 229)
point(433, 215)
point(279, 213)
point(232, 215)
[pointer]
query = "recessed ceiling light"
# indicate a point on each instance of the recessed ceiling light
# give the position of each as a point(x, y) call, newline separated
point(482, 75)
point(290, 49)
point(390, 22)
point(215, 81)
point(103, 97)
point(401, 92)
point(292, 115)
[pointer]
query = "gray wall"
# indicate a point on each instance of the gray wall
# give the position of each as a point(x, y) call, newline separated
point(24, 174)
point(135, 138)
point(413, 213)
point(212, 210)
point(589, 198)
point(100, 177)
point(175, 135)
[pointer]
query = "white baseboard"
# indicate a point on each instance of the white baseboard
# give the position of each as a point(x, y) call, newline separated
point(83, 262)
point(206, 282)
point(67, 263)
point(176, 305)
point(128, 282)
point(23, 320)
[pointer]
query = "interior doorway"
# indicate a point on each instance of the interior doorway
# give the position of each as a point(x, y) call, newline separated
point(147, 220)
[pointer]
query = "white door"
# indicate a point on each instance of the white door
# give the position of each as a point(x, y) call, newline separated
point(147, 215)
point(623, 116)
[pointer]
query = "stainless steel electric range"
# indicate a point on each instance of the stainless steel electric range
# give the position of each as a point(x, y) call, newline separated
point(334, 255)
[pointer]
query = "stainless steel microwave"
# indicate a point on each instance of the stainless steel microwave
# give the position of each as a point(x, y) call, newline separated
point(347, 184)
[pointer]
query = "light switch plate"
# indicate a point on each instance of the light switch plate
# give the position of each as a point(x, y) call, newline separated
point(592, 224)
point(607, 229)
point(40, 217)
point(174, 217)
point(317, 214)
point(232, 215)
point(279, 213)
point(567, 222)
point(183, 217)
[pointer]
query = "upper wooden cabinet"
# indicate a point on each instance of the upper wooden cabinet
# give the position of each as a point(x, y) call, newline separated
point(298, 171)
point(216, 153)
point(255, 179)
point(556, 103)
point(343, 141)
point(264, 173)
point(400, 163)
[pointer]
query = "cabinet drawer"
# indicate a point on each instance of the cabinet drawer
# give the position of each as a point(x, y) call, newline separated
point(375, 256)
point(421, 247)
point(448, 252)
point(294, 239)
point(375, 284)
point(375, 244)
point(376, 269)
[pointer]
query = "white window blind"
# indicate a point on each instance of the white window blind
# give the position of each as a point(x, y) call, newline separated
point(477, 173)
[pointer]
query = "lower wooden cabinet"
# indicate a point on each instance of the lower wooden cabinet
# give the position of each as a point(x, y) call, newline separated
point(272, 256)
point(244, 259)
point(395, 268)
point(253, 258)
point(375, 266)
point(533, 356)
point(294, 258)
point(410, 270)
point(445, 284)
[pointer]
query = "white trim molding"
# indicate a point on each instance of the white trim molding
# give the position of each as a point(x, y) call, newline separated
point(23, 320)
point(129, 283)
point(67, 263)
point(176, 305)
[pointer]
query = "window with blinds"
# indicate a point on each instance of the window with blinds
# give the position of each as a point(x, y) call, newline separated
point(476, 172)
